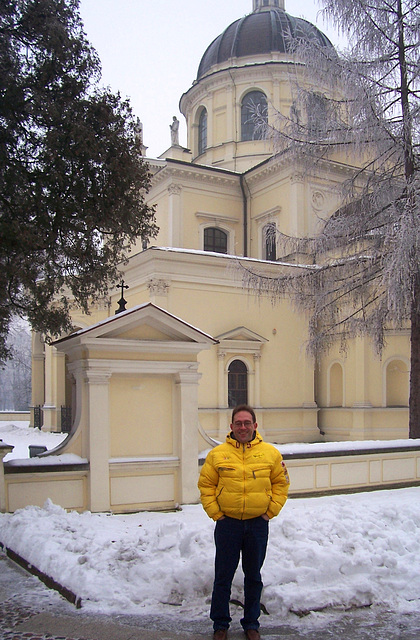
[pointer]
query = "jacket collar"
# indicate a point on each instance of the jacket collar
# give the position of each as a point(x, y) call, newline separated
point(232, 441)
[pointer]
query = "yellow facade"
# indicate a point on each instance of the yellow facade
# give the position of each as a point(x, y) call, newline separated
point(234, 189)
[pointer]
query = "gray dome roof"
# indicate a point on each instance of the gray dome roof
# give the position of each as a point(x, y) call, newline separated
point(259, 33)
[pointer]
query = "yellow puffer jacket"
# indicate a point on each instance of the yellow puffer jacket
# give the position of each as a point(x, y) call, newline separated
point(243, 481)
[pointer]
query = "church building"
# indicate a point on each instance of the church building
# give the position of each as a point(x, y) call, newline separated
point(219, 203)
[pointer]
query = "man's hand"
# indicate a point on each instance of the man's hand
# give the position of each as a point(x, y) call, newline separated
point(265, 516)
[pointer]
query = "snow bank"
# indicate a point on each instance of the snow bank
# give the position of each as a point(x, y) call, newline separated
point(333, 552)
point(329, 553)
point(20, 436)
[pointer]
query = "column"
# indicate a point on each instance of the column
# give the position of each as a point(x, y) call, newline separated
point(297, 205)
point(98, 429)
point(38, 373)
point(361, 404)
point(222, 399)
point(256, 400)
point(4, 450)
point(50, 407)
point(175, 216)
point(221, 385)
point(187, 441)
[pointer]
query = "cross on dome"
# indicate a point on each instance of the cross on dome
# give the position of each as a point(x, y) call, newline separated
point(263, 5)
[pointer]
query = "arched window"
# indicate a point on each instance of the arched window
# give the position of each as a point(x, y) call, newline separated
point(202, 132)
point(237, 383)
point(317, 112)
point(397, 384)
point(269, 241)
point(215, 240)
point(254, 107)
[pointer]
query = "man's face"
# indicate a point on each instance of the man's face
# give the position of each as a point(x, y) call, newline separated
point(243, 427)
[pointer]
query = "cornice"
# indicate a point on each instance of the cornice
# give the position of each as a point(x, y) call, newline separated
point(197, 268)
point(299, 172)
point(195, 173)
point(252, 70)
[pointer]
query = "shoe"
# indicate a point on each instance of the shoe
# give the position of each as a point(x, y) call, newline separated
point(220, 634)
point(252, 634)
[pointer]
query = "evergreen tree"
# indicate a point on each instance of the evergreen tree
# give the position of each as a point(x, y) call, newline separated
point(72, 179)
point(15, 374)
point(361, 273)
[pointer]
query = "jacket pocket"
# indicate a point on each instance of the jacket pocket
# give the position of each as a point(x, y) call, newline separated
point(225, 472)
point(261, 472)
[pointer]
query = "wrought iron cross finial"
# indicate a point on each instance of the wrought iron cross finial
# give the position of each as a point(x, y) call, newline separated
point(122, 302)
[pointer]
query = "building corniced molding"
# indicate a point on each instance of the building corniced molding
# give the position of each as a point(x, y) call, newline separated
point(217, 218)
point(267, 216)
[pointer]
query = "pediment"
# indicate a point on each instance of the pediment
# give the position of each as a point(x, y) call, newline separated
point(241, 334)
point(144, 332)
point(145, 324)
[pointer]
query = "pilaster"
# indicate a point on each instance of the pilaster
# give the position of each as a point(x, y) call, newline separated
point(38, 374)
point(98, 448)
point(175, 215)
point(4, 450)
point(296, 204)
point(55, 388)
point(361, 404)
point(187, 405)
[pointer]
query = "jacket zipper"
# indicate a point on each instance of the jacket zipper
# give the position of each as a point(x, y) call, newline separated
point(244, 480)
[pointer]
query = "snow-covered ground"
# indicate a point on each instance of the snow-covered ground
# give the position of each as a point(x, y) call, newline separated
point(21, 436)
point(330, 553)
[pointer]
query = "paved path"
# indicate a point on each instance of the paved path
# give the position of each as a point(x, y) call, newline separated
point(31, 611)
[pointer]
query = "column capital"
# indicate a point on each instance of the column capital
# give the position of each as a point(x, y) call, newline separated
point(158, 286)
point(187, 377)
point(174, 189)
point(97, 377)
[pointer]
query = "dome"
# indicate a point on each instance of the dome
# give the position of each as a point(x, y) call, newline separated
point(259, 33)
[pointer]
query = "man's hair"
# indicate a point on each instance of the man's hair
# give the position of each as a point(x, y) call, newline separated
point(244, 407)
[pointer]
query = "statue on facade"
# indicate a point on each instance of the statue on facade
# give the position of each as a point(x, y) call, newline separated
point(138, 132)
point(174, 127)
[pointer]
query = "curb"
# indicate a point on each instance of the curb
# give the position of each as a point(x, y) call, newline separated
point(47, 580)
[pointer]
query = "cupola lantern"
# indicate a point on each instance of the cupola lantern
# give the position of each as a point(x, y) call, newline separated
point(265, 5)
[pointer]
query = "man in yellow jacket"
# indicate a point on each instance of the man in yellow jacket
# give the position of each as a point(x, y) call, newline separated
point(243, 484)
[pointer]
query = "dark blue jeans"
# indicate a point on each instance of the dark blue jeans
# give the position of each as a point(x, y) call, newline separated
point(233, 538)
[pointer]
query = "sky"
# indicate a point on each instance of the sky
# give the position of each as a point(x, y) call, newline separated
point(325, 555)
point(150, 51)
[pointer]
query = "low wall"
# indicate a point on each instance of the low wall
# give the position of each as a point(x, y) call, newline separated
point(333, 472)
point(312, 473)
point(65, 485)
point(15, 416)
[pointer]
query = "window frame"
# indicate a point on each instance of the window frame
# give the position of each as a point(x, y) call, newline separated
point(248, 133)
point(242, 393)
point(270, 241)
point(215, 228)
point(202, 131)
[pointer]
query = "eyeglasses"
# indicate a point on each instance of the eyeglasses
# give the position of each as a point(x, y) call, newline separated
point(245, 423)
